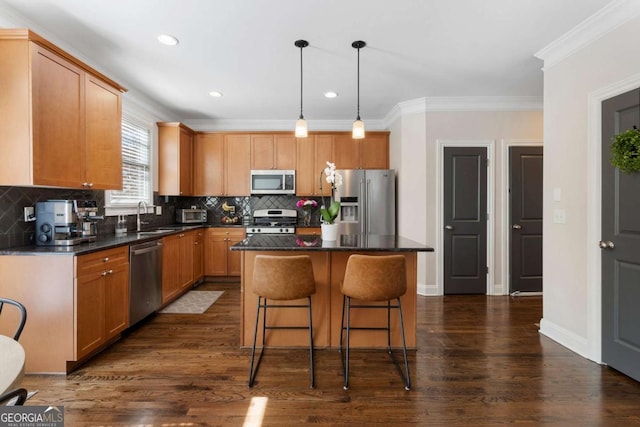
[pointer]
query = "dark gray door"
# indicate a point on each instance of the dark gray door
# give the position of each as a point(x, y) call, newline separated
point(465, 220)
point(620, 245)
point(525, 204)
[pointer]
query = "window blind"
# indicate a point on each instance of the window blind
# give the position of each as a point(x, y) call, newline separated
point(136, 159)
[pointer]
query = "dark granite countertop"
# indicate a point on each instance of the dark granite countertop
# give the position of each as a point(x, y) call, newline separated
point(346, 242)
point(101, 243)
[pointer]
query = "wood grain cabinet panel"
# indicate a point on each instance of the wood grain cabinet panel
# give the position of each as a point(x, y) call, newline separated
point(175, 159)
point(208, 164)
point(313, 153)
point(59, 117)
point(218, 259)
point(372, 152)
point(102, 291)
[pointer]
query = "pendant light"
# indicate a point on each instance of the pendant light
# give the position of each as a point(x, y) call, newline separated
point(358, 125)
point(301, 123)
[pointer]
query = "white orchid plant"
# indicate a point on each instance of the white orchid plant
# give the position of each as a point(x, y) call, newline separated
point(330, 213)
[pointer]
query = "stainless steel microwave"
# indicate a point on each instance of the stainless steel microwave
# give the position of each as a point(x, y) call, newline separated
point(273, 181)
point(191, 216)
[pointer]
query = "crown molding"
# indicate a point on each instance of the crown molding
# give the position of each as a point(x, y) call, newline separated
point(463, 103)
point(278, 125)
point(607, 19)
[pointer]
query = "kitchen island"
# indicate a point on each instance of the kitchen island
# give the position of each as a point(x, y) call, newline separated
point(329, 259)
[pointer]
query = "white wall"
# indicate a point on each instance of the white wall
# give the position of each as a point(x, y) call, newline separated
point(414, 153)
point(574, 86)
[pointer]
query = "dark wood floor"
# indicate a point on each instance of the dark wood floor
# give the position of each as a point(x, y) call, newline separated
point(480, 361)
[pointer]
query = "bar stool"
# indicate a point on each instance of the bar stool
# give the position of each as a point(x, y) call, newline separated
point(281, 278)
point(371, 279)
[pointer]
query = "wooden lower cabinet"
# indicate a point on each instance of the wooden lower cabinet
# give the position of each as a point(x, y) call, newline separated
point(177, 264)
point(219, 260)
point(310, 231)
point(102, 298)
point(198, 255)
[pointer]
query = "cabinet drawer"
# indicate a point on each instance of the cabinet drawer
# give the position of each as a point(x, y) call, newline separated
point(98, 261)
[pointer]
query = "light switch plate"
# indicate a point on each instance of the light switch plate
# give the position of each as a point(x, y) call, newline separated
point(559, 216)
point(29, 214)
point(557, 194)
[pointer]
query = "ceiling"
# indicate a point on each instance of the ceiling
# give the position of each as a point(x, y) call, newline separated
point(245, 49)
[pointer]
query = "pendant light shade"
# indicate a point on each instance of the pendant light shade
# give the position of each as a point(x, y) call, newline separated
point(301, 123)
point(358, 125)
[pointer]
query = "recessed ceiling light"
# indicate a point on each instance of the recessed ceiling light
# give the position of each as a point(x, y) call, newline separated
point(331, 94)
point(168, 39)
point(215, 94)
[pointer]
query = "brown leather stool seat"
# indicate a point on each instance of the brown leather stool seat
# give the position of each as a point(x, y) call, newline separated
point(372, 279)
point(281, 278)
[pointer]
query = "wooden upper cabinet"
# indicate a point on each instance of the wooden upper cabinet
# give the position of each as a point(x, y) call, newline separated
point(61, 117)
point(175, 152)
point(103, 127)
point(346, 152)
point(263, 152)
point(269, 151)
point(313, 154)
point(237, 164)
point(372, 152)
point(208, 164)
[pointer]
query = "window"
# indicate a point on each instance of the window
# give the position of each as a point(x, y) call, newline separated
point(136, 171)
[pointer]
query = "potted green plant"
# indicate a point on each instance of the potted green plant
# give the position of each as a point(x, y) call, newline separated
point(625, 151)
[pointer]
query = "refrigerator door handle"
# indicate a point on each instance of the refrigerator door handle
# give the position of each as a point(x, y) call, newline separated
point(362, 206)
point(367, 206)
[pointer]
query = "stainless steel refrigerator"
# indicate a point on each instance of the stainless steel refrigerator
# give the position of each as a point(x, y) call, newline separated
point(367, 201)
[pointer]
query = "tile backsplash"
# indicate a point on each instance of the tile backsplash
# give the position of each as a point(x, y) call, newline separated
point(14, 231)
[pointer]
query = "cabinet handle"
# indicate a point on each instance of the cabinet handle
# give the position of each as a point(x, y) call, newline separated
point(181, 236)
point(109, 271)
point(106, 259)
point(90, 184)
point(104, 273)
point(85, 184)
point(196, 243)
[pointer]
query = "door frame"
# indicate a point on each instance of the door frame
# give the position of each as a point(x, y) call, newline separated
point(504, 226)
point(593, 348)
point(489, 144)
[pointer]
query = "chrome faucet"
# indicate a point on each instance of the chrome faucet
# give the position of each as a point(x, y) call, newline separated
point(138, 222)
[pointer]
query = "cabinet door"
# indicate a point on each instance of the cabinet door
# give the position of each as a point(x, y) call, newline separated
point(103, 143)
point(306, 166)
point(186, 154)
point(346, 152)
point(90, 304)
point(311, 231)
point(58, 120)
point(374, 151)
point(323, 154)
point(285, 152)
point(174, 159)
point(185, 267)
point(198, 255)
point(238, 164)
point(116, 293)
point(170, 263)
point(262, 152)
point(234, 258)
point(215, 253)
point(208, 165)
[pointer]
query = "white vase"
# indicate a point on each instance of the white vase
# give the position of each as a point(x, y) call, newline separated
point(329, 231)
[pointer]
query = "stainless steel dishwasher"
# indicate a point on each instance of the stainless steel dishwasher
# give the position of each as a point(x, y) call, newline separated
point(145, 280)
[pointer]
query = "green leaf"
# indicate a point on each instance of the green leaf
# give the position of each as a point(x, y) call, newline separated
point(329, 215)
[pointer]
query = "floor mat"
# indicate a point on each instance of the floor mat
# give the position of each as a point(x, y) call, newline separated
point(196, 302)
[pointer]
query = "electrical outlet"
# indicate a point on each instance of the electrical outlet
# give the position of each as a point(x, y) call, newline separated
point(29, 214)
point(158, 210)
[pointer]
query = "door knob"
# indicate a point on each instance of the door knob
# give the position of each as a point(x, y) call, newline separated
point(449, 227)
point(516, 226)
point(606, 245)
